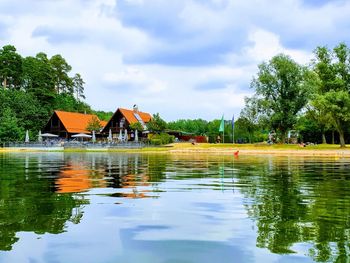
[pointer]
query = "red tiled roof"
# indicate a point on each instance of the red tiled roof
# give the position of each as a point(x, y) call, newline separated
point(130, 117)
point(75, 122)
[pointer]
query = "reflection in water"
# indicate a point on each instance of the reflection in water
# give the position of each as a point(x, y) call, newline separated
point(174, 208)
point(28, 201)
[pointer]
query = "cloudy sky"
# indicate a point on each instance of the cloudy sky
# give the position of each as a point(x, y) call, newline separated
point(181, 58)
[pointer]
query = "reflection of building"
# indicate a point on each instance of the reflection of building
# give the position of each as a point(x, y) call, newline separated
point(74, 179)
point(122, 118)
point(65, 124)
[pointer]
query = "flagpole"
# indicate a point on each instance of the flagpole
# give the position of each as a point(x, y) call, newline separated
point(223, 133)
point(233, 135)
point(233, 129)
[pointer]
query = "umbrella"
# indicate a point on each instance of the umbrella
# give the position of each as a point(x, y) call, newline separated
point(81, 135)
point(120, 135)
point(40, 137)
point(110, 135)
point(26, 140)
point(136, 136)
point(48, 135)
point(126, 135)
point(93, 136)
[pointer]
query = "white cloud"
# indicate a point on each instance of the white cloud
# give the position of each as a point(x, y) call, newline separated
point(184, 59)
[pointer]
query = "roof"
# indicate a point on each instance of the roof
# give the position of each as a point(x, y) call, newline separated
point(130, 117)
point(103, 123)
point(75, 122)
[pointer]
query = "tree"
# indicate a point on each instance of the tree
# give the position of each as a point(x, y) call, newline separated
point(322, 118)
point(333, 87)
point(67, 102)
point(104, 116)
point(136, 126)
point(94, 124)
point(280, 89)
point(10, 67)
point(63, 83)
point(9, 129)
point(38, 79)
point(78, 85)
point(156, 124)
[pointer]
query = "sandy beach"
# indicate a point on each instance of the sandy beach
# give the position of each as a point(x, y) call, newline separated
point(226, 149)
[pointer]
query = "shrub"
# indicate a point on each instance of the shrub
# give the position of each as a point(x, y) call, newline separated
point(163, 138)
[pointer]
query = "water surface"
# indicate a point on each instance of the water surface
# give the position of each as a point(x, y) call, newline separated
point(100, 207)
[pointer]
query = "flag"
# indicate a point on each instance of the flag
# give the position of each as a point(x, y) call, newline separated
point(233, 121)
point(222, 124)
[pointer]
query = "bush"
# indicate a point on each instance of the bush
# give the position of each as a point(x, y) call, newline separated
point(163, 138)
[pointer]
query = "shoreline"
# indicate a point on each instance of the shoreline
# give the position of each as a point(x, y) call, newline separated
point(224, 149)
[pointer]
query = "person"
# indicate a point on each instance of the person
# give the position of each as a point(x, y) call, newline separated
point(271, 137)
point(218, 139)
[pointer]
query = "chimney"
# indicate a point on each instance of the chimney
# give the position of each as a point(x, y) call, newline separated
point(135, 108)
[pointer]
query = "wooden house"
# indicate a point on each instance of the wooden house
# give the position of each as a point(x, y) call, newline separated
point(122, 118)
point(65, 124)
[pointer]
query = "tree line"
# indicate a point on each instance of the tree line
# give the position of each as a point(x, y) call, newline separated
point(32, 87)
point(313, 100)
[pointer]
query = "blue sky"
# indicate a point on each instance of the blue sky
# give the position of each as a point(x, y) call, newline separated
point(183, 58)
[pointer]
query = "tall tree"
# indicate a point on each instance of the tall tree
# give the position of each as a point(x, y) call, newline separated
point(38, 79)
point(78, 85)
point(61, 69)
point(280, 88)
point(10, 67)
point(333, 93)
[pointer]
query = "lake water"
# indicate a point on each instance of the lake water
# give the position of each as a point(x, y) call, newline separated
point(100, 207)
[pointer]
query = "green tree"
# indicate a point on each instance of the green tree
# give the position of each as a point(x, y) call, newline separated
point(279, 86)
point(156, 124)
point(333, 87)
point(136, 126)
point(94, 124)
point(322, 119)
point(9, 128)
point(10, 67)
point(78, 85)
point(61, 69)
point(38, 79)
point(67, 102)
point(104, 116)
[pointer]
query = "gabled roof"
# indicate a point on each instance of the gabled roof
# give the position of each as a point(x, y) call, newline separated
point(75, 122)
point(130, 115)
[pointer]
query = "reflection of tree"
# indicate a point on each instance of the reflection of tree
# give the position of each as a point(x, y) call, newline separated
point(29, 203)
point(300, 202)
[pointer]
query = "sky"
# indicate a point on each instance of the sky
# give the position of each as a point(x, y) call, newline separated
point(183, 59)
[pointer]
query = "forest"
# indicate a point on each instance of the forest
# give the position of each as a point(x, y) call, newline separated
point(32, 88)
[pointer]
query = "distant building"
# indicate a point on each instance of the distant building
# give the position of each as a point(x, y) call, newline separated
point(122, 118)
point(65, 124)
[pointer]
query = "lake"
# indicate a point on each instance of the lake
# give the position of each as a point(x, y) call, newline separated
point(112, 207)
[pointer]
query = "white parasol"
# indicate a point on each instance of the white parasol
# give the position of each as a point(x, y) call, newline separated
point(126, 135)
point(26, 140)
point(93, 136)
point(136, 136)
